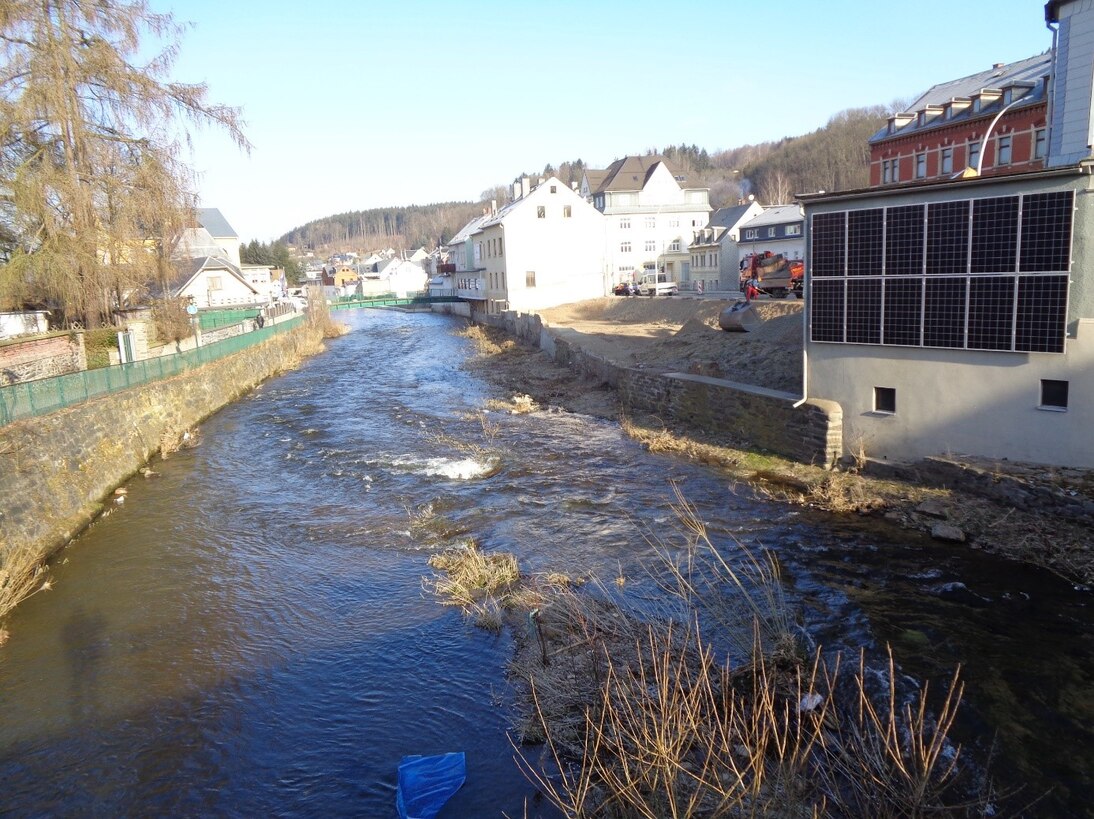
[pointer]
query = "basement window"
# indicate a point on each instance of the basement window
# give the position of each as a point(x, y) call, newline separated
point(885, 400)
point(1053, 395)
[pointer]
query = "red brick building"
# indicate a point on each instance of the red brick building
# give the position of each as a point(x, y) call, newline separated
point(957, 125)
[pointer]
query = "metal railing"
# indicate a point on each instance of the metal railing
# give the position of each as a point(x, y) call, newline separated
point(46, 395)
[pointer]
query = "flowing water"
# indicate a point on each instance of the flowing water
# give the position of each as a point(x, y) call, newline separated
point(247, 634)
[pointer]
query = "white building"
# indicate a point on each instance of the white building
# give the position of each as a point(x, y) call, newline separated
point(211, 282)
point(543, 249)
point(649, 218)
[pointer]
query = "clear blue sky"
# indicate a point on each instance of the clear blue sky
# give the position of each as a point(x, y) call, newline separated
point(352, 104)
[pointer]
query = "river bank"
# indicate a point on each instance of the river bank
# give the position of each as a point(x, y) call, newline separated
point(1001, 516)
point(58, 471)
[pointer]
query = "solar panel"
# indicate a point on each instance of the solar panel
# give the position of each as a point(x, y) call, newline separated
point(980, 274)
point(947, 238)
point(904, 240)
point(826, 310)
point(828, 239)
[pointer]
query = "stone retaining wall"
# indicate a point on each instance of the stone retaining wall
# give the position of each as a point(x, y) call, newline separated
point(765, 419)
point(41, 357)
point(57, 470)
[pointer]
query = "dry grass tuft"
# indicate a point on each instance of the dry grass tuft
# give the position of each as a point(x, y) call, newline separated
point(477, 582)
point(489, 341)
point(22, 575)
point(171, 441)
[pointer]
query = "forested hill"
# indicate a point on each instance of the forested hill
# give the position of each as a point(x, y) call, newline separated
point(835, 157)
point(378, 228)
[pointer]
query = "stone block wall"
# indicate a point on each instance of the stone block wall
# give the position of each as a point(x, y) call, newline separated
point(41, 357)
point(811, 432)
point(57, 470)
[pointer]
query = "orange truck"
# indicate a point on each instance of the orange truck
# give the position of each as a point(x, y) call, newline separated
point(773, 274)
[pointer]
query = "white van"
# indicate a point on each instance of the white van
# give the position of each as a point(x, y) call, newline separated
point(657, 284)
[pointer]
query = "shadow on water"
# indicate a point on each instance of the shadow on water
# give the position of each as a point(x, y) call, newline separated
point(247, 633)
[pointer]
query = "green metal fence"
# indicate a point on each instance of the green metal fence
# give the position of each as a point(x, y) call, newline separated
point(212, 319)
point(48, 395)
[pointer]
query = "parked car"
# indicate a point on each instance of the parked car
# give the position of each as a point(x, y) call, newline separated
point(657, 284)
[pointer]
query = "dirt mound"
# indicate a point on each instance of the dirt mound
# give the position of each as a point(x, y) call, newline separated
point(683, 335)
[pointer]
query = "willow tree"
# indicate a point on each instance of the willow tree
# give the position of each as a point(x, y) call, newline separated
point(92, 191)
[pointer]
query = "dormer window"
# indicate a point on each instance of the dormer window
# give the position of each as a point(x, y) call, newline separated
point(976, 105)
point(921, 120)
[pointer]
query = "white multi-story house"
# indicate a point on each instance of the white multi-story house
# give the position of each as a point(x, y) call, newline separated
point(714, 254)
point(543, 249)
point(957, 315)
point(650, 219)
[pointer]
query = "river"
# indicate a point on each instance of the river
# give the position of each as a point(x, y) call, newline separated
point(247, 633)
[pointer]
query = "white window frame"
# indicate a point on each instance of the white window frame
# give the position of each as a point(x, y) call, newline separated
point(945, 161)
point(1004, 150)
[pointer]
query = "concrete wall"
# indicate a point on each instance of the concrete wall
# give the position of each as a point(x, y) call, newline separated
point(754, 416)
point(56, 470)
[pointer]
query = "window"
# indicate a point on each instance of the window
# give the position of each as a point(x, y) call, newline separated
point(625, 223)
point(541, 212)
point(945, 164)
point(500, 251)
point(1039, 143)
point(675, 246)
point(566, 212)
point(554, 188)
point(530, 278)
point(750, 233)
point(793, 230)
point(625, 247)
point(920, 166)
point(214, 283)
point(651, 222)
point(674, 223)
point(1053, 394)
point(770, 232)
point(886, 172)
point(885, 400)
point(1004, 150)
point(974, 154)
point(651, 246)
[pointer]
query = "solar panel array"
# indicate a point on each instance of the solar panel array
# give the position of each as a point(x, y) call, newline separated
point(977, 274)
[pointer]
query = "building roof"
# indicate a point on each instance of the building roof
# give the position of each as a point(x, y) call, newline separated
point(728, 217)
point(186, 270)
point(631, 173)
point(1028, 73)
point(213, 221)
point(777, 215)
point(465, 232)
point(595, 178)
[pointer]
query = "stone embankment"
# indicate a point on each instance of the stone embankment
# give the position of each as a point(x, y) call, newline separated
point(57, 471)
point(754, 416)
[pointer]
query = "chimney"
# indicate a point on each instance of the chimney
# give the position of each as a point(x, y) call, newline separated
point(1070, 106)
point(516, 191)
point(525, 186)
point(493, 206)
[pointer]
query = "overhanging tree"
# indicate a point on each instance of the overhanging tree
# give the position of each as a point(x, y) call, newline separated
point(92, 193)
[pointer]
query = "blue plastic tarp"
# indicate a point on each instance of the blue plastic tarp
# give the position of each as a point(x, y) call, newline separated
point(427, 782)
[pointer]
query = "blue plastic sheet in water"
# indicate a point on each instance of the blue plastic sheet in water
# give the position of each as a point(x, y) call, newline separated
point(427, 782)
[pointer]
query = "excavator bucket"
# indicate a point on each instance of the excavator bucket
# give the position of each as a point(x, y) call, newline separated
point(738, 317)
